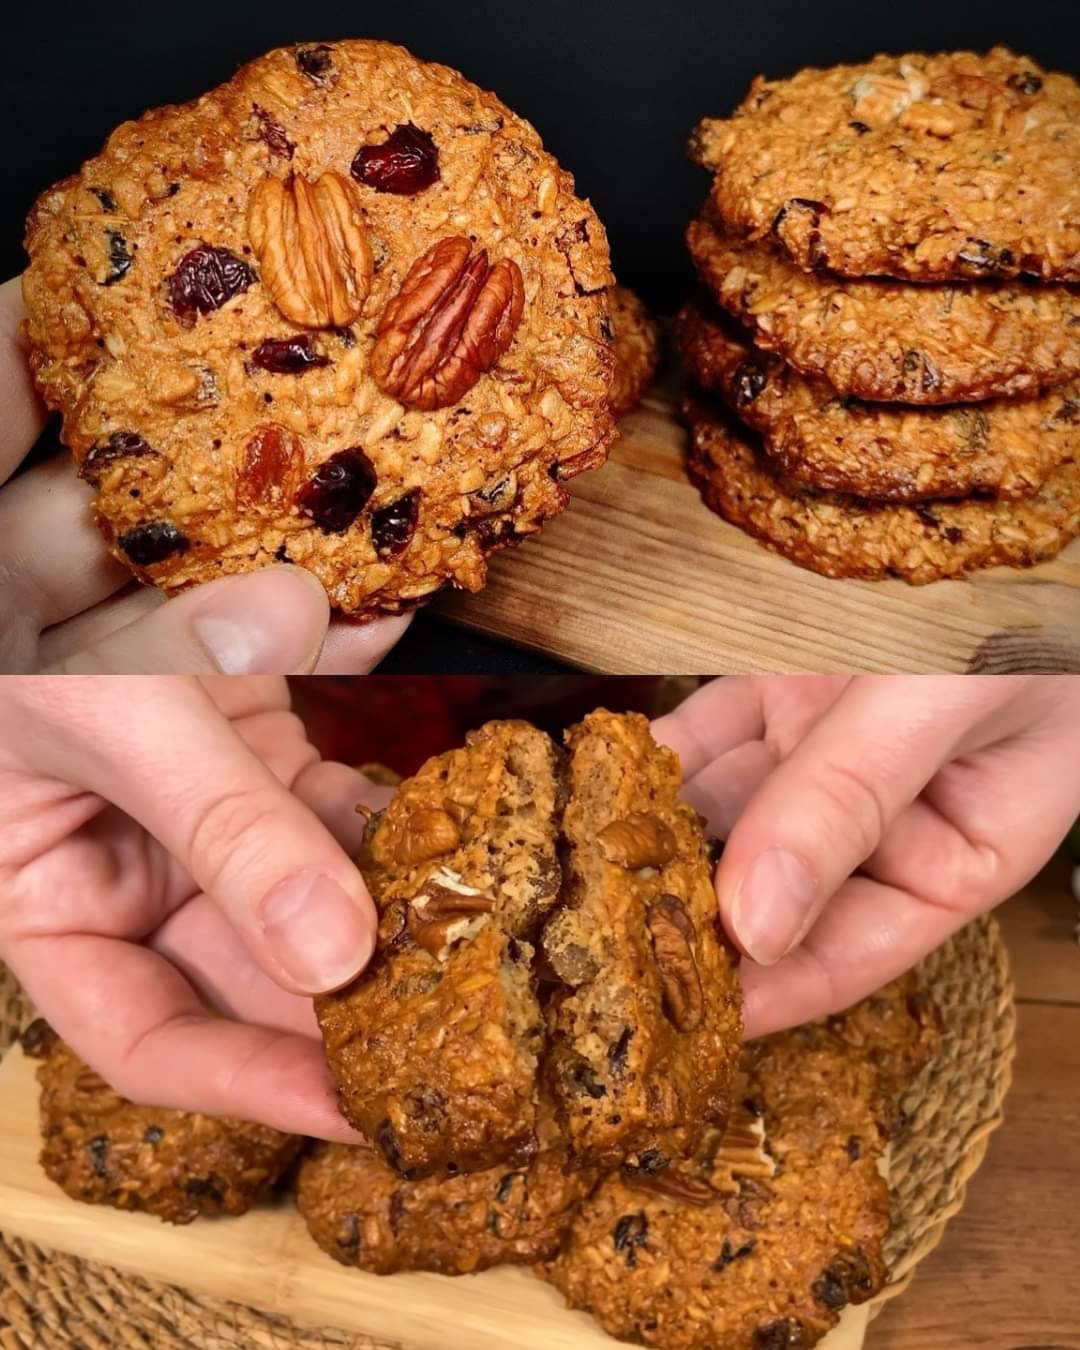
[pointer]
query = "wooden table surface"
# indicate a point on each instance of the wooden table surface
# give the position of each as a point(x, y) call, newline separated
point(1007, 1273)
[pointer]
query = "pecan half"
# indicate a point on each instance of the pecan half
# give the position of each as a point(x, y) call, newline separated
point(453, 318)
point(447, 912)
point(312, 248)
point(425, 832)
point(672, 933)
point(676, 1185)
point(637, 840)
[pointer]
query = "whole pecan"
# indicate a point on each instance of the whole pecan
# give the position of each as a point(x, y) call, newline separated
point(312, 248)
point(446, 912)
point(677, 1185)
point(638, 840)
point(453, 318)
point(672, 933)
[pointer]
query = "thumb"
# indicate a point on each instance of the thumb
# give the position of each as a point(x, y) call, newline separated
point(272, 621)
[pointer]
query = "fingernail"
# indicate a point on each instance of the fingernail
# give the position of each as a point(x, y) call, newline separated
point(316, 931)
point(772, 906)
point(263, 623)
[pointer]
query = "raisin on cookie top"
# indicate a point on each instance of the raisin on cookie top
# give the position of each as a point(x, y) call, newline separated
point(926, 167)
point(343, 311)
point(885, 451)
point(888, 340)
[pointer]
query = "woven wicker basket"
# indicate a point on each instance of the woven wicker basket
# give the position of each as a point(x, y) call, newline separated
point(49, 1301)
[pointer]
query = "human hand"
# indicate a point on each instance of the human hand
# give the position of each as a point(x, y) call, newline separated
point(170, 846)
point(869, 818)
point(67, 606)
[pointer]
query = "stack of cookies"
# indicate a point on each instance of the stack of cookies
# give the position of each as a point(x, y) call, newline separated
point(888, 353)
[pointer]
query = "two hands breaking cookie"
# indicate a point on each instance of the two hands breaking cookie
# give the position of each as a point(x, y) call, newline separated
point(172, 915)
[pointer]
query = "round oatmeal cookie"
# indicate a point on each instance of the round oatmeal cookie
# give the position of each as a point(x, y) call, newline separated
point(925, 167)
point(104, 1150)
point(845, 536)
point(888, 452)
point(757, 1243)
point(364, 1214)
point(637, 349)
point(342, 311)
point(887, 340)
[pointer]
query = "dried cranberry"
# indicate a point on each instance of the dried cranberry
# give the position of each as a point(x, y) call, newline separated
point(120, 259)
point(785, 1334)
point(205, 278)
point(153, 542)
point(405, 163)
point(829, 1290)
point(316, 63)
point(392, 526)
point(631, 1232)
point(288, 356)
point(273, 134)
point(120, 445)
point(338, 490)
point(98, 1148)
point(204, 1187)
point(859, 127)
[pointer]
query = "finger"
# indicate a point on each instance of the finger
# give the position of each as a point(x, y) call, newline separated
point(335, 792)
point(51, 549)
point(722, 789)
point(164, 754)
point(712, 721)
point(134, 602)
point(826, 808)
point(272, 621)
point(133, 1018)
point(868, 935)
point(353, 648)
point(24, 415)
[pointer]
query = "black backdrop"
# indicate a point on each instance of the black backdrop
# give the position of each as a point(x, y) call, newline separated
point(614, 88)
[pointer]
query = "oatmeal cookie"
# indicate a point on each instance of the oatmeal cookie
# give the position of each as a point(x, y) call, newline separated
point(844, 536)
point(637, 349)
point(435, 1046)
point(926, 167)
point(742, 1248)
point(645, 1026)
point(104, 1150)
point(343, 311)
point(363, 1214)
point(885, 451)
point(886, 340)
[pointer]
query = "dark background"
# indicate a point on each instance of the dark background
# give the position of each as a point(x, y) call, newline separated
point(613, 88)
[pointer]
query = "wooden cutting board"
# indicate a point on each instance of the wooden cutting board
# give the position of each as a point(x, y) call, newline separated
point(637, 576)
point(266, 1260)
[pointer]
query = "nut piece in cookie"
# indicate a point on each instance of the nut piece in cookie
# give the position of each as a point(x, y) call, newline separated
point(845, 536)
point(637, 349)
point(883, 451)
point(104, 1150)
point(364, 1214)
point(435, 1046)
point(343, 311)
point(644, 1026)
point(948, 166)
point(767, 1232)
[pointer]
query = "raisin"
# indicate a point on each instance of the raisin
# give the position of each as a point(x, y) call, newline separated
point(631, 1232)
point(728, 1253)
point(338, 490)
point(317, 63)
point(618, 1052)
point(38, 1039)
point(392, 526)
point(749, 380)
point(204, 1188)
point(406, 163)
point(506, 1185)
point(272, 463)
point(954, 534)
point(1026, 83)
point(859, 127)
point(397, 1210)
point(714, 850)
point(205, 278)
point(120, 259)
point(606, 330)
point(584, 1077)
point(98, 1148)
point(153, 542)
point(753, 1107)
point(349, 1236)
point(829, 1291)
point(853, 1148)
point(288, 356)
point(785, 1334)
point(273, 134)
point(107, 200)
point(154, 1134)
point(120, 445)
point(346, 337)
point(650, 1161)
point(387, 1142)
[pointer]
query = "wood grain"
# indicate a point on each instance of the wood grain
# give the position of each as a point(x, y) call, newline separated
point(638, 577)
point(267, 1260)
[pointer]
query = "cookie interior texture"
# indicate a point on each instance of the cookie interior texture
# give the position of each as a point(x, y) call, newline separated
point(180, 1165)
point(539, 924)
point(343, 311)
